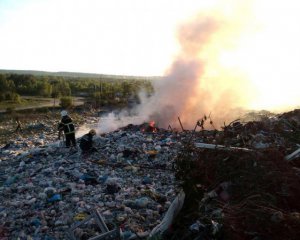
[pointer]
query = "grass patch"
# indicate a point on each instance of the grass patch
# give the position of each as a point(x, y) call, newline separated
point(25, 102)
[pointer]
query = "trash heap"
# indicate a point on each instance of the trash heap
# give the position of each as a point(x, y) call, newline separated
point(37, 131)
point(35, 126)
point(47, 189)
point(34, 133)
point(242, 182)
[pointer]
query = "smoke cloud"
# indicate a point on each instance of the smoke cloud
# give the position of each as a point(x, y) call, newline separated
point(196, 85)
point(239, 55)
point(191, 87)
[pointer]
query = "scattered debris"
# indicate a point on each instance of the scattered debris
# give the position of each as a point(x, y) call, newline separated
point(236, 189)
point(129, 181)
point(293, 155)
point(94, 220)
point(172, 212)
point(240, 182)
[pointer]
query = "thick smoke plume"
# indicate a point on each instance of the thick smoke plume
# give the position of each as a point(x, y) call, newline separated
point(195, 85)
point(239, 55)
point(181, 93)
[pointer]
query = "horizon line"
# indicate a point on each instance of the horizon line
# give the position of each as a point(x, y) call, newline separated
point(70, 72)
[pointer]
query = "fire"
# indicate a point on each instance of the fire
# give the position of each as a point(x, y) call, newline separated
point(152, 124)
point(150, 128)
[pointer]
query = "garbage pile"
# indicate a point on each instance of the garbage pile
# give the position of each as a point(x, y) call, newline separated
point(32, 125)
point(242, 182)
point(47, 189)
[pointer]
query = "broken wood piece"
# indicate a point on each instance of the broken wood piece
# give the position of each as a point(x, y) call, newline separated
point(106, 234)
point(293, 155)
point(180, 124)
point(221, 147)
point(171, 214)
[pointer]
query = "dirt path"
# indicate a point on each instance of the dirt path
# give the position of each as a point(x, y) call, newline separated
point(47, 102)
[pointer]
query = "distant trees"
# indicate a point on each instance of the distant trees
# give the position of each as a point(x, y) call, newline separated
point(44, 89)
point(101, 91)
point(35, 86)
point(7, 92)
point(60, 87)
point(63, 88)
point(25, 84)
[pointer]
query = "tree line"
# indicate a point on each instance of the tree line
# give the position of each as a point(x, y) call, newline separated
point(100, 91)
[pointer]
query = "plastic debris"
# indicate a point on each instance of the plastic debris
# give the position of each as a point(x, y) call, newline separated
point(133, 179)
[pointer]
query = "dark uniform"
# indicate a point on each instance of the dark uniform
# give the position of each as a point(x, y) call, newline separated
point(67, 126)
point(86, 143)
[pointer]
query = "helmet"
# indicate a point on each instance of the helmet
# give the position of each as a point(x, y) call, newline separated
point(63, 113)
point(92, 132)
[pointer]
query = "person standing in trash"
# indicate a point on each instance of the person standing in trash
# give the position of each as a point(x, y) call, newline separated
point(86, 142)
point(19, 128)
point(66, 125)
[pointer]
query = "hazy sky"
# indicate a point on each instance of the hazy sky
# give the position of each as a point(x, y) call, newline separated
point(257, 40)
point(135, 37)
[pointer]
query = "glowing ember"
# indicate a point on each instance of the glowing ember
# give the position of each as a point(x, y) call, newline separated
point(152, 124)
point(150, 128)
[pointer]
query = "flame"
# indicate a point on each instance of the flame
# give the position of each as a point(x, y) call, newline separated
point(152, 124)
point(150, 128)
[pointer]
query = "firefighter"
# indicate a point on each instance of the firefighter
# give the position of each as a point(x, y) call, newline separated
point(66, 125)
point(86, 142)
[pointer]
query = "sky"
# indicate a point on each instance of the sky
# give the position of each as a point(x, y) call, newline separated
point(130, 37)
point(253, 49)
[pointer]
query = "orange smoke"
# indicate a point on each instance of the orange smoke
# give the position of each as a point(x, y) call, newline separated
point(225, 64)
point(196, 84)
point(240, 55)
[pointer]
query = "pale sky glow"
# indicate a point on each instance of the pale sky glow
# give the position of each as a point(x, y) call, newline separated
point(258, 40)
point(270, 56)
point(132, 37)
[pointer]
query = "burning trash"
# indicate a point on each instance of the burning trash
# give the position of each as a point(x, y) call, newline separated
point(150, 128)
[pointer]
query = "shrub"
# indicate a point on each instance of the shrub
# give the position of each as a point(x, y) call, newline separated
point(43, 110)
point(16, 98)
point(11, 96)
point(66, 102)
